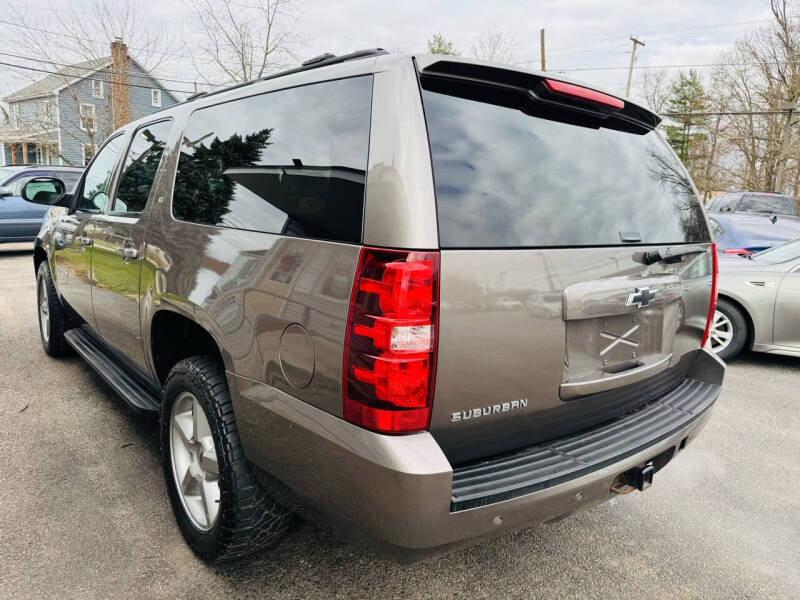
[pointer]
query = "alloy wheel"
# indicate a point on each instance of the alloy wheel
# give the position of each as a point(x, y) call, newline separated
point(721, 332)
point(44, 310)
point(194, 461)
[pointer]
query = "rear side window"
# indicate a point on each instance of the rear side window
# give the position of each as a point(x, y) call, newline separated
point(291, 162)
point(768, 203)
point(505, 179)
point(140, 167)
point(69, 178)
point(5, 175)
point(728, 203)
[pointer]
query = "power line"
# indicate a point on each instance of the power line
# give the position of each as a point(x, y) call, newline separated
point(111, 71)
point(698, 27)
point(732, 64)
point(78, 37)
point(654, 35)
point(147, 87)
point(724, 113)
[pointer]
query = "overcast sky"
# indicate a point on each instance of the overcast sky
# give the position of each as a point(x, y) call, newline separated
point(579, 33)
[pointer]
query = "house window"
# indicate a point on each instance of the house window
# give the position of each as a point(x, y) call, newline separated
point(87, 114)
point(155, 97)
point(44, 111)
point(97, 89)
point(15, 115)
point(87, 152)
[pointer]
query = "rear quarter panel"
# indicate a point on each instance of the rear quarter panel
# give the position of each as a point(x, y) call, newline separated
point(246, 287)
point(757, 301)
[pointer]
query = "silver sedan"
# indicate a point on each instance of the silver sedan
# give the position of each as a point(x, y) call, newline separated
point(759, 303)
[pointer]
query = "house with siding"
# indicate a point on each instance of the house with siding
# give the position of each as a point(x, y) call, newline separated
point(63, 118)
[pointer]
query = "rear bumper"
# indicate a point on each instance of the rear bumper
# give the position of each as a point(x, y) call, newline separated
point(402, 492)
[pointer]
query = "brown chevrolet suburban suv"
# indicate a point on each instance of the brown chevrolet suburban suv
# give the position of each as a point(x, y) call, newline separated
point(420, 298)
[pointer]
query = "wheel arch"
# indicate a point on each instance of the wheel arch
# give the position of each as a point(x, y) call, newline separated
point(751, 329)
point(175, 336)
point(39, 256)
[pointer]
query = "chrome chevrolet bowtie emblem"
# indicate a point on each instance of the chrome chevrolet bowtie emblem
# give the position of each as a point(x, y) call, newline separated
point(641, 297)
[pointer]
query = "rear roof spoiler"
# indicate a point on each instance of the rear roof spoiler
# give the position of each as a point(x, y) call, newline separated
point(530, 92)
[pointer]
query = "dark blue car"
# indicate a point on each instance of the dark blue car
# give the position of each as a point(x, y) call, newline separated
point(743, 233)
point(20, 220)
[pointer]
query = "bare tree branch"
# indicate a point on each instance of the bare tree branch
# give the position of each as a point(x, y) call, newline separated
point(245, 41)
point(495, 44)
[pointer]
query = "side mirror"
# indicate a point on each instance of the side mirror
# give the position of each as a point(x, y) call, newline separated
point(4, 191)
point(44, 190)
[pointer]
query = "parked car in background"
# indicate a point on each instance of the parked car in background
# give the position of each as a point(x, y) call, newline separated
point(759, 303)
point(11, 174)
point(754, 202)
point(323, 324)
point(20, 221)
point(744, 233)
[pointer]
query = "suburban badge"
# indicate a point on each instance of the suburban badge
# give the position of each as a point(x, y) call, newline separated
point(484, 411)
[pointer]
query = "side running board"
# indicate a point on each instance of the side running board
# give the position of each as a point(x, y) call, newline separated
point(126, 384)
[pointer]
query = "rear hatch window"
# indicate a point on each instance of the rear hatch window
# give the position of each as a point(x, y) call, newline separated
point(505, 179)
point(768, 203)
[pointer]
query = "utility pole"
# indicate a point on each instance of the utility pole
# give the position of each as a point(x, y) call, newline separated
point(636, 42)
point(786, 135)
point(541, 44)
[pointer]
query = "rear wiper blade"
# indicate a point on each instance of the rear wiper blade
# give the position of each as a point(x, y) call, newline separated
point(667, 255)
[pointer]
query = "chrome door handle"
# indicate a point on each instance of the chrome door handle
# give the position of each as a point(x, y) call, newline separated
point(128, 253)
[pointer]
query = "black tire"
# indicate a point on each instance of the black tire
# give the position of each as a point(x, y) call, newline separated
point(51, 331)
point(738, 324)
point(248, 519)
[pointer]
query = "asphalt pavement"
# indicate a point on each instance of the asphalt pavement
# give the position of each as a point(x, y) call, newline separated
point(84, 513)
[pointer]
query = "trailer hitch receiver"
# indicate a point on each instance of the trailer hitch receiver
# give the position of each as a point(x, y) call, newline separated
point(640, 477)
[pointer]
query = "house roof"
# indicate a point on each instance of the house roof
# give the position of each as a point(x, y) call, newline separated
point(67, 75)
point(64, 75)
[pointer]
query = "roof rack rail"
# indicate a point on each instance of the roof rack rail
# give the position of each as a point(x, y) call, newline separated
point(196, 95)
point(319, 58)
point(323, 60)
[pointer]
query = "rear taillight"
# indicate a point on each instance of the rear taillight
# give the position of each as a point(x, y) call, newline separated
point(390, 344)
point(737, 251)
point(713, 303)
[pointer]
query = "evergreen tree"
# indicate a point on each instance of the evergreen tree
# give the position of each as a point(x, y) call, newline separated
point(202, 191)
point(687, 97)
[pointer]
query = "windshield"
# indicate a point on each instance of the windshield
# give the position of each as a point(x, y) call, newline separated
point(768, 203)
point(778, 254)
point(5, 175)
point(505, 179)
point(16, 185)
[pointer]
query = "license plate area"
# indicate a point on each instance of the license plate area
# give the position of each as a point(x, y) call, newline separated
point(611, 345)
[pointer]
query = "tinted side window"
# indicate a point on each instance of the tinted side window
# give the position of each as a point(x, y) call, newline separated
point(70, 178)
point(729, 203)
point(769, 203)
point(94, 195)
point(291, 162)
point(716, 203)
point(141, 165)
